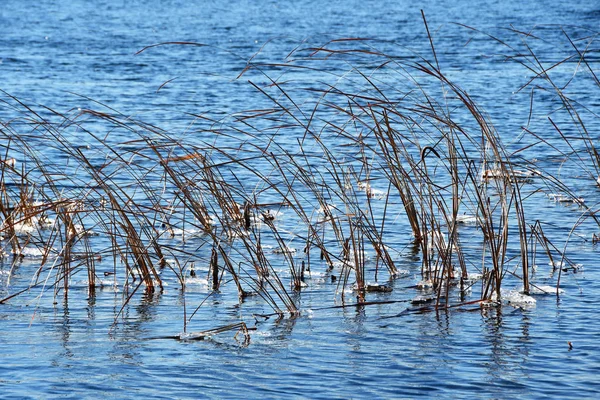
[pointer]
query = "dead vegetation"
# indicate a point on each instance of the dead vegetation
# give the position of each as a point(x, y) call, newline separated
point(394, 159)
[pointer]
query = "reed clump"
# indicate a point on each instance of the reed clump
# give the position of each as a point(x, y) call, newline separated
point(347, 180)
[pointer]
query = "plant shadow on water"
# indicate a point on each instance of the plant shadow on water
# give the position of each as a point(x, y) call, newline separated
point(368, 205)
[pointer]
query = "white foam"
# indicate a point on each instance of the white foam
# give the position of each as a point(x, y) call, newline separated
point(24, 228)
point(81, 231)
point(475, 277)
point(466, 219)
point(422, 300)
point(285, 249)
point(544, 289)
point(196, 281)
point(563, 265)
point(32, 252)
point(401, 272)
point(562, 198)
point(516, 298)
point(423, 285)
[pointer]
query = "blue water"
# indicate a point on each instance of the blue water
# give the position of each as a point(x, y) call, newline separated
point(69, 56)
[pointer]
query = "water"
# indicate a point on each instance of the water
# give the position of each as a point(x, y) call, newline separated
point(83, 55)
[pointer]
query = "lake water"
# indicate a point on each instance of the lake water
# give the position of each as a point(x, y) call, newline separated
point(72, 56)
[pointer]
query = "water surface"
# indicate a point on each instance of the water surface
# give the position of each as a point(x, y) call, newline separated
point(70, 56)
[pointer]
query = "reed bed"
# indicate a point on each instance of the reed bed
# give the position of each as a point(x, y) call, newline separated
point(385, 161)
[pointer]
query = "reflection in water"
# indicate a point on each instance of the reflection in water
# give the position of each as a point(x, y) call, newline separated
point(354, 321)
point(494, 335)
point(9, 268)
point(63, 327)
point(525, 331)
point(508, 345)
point(442, 317)
point(91, 308)
point(148, 305)
point(432, 333)
point(282, 328)
point(133, 326)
